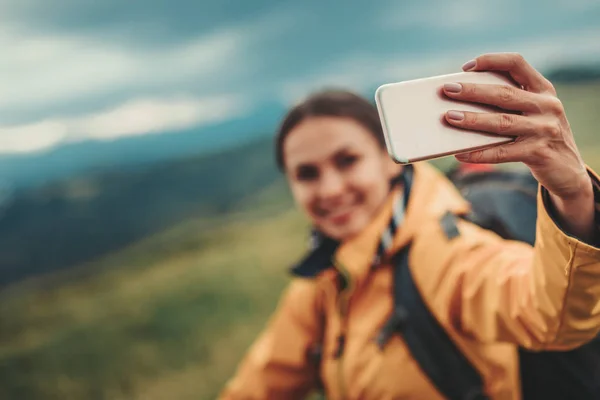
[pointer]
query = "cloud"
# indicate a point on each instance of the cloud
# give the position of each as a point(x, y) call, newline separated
point(365, 71)
point(448, 15)
point(480, 18)
point(42, 70)
point(137, 117)
point(544, 53)
point(578, 5)
point(130, 89)
point(40, 135)
point(354, 72)
point(39, 70)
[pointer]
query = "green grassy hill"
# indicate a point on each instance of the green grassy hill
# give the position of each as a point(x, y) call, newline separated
point(170, 316)
point(154, 324)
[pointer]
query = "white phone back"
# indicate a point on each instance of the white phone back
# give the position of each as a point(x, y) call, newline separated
point(412, 115)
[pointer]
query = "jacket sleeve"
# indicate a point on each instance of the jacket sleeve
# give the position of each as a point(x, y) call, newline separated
point(495, 290)
point(277, 366)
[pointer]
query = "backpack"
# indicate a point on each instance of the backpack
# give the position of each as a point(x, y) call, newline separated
point(506, 203)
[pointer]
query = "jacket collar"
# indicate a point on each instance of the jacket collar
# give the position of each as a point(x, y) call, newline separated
point(431, 195)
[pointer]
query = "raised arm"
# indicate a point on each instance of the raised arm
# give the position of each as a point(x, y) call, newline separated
point(494, 290)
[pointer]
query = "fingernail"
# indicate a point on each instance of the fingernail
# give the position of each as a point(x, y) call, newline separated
point(456, 115)
point(463, 156)
point(469, 65)
point(453, 87)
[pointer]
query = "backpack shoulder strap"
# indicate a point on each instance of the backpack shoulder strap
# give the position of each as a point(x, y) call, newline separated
point(439, 358)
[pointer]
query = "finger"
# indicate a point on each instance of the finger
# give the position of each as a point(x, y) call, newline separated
point(503, 96)
point(499, 123)
point(513, 63)
point(512, 152)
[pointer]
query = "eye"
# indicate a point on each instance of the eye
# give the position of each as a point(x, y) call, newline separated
point(307, 173)
point(344, 161)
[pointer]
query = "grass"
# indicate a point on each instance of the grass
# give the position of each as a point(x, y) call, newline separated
point(174, 328)
point(171, 316)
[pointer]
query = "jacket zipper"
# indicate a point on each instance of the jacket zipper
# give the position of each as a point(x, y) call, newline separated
point(343, 313)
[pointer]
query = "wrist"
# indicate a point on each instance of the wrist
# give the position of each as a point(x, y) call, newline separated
point(583, 188)
point(584, 191)
point(576, 210)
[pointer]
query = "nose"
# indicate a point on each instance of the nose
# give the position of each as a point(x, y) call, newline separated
point(331, 185)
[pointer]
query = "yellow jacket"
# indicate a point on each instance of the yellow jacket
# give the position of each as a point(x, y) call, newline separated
point(491, 295)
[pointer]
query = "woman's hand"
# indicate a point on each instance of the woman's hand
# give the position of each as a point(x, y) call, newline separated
point(544, 141)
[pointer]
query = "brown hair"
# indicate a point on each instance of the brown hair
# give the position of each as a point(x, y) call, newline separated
point(329, 103)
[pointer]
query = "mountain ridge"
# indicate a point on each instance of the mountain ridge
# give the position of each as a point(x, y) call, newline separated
point(75, 220)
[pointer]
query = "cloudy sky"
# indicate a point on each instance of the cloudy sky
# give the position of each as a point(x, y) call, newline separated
point(75, 70)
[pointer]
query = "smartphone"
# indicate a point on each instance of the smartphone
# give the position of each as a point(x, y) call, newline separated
point(412, 114)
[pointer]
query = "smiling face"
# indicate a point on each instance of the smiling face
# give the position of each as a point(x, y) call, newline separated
point(338, 172)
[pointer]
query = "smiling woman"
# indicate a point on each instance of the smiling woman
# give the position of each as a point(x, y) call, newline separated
point(342, 183)
point(486, 298)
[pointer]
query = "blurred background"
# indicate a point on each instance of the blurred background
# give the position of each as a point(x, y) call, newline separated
point(145, 233)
